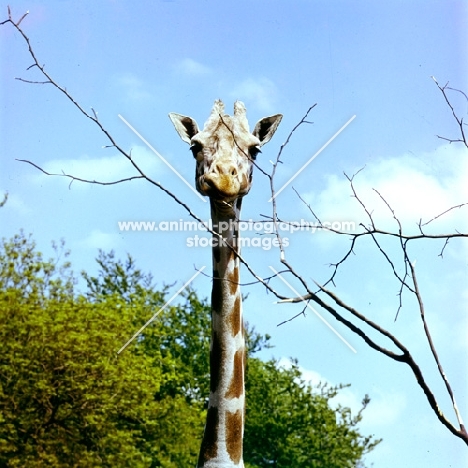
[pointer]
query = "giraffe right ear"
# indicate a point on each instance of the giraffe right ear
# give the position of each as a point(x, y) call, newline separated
point(266, 128)
point(186, 126)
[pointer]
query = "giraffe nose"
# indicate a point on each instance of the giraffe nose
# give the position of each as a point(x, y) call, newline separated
point(228, 169)
point(223, 178)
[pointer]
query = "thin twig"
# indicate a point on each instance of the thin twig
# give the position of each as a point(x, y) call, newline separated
point(459, 120)
point(461, 205)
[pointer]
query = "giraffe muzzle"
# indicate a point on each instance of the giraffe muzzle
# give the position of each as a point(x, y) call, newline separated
point(220, 185)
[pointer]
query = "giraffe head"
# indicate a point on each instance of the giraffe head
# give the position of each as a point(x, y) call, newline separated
point(225, 149)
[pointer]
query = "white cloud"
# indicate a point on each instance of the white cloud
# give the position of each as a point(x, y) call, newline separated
point(346, 397)
point(134, 87)
point(191, 67)
point(98, 239)
point(384, 409)
point(261, 93)
point(314, 378)
point(415, 188)
point(106, 169)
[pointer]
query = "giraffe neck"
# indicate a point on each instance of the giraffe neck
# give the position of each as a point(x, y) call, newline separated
point(224, 429)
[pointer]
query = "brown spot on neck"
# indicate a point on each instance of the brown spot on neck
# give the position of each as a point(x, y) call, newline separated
point(234, 422)
point(217, 294)
point(209, 447)
point(235, 319)
point(236, 386)
point(234, 280)
point(217, 355)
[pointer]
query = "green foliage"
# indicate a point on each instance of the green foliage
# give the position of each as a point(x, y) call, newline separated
point(291, 424)
point(181, 335)
point(23, 269)
point(67, 399)
point(122, 279)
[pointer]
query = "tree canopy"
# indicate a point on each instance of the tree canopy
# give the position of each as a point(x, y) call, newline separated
point(67, 399)
point(290, 423)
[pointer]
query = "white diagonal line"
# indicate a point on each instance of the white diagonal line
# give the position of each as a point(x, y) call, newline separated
point(314, 311)
point(161, 309)
point(162, 159)
point(312, 158)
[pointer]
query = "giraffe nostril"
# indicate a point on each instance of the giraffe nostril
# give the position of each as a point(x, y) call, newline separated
point(225, 169)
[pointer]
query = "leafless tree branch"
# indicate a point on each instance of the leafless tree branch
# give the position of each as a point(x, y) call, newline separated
point(79, 179)
point(302, 312)
point(408, 359)
point(459, 120)
point(432, 346)
point(271, 177)
point(421, 224)
point(404, 278)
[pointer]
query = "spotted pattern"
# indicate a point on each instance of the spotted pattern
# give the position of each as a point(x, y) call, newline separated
point(224, 152)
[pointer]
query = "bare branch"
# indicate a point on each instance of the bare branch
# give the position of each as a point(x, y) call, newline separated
point(272, 177)
point(33, 82)
point(443, 213)
point(73, 178)
point(443, 248)
point(459, 120)
point(433, 349)
point(302, 312)
point(405, 357)
point(22, 18)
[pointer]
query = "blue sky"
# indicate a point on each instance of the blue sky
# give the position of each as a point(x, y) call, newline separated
point(145, 59)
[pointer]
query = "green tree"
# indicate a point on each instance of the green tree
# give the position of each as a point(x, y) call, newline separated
point(291, 424)
point(66, 399)
point(181, 334)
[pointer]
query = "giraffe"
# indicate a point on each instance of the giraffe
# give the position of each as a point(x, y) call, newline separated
point(224, 152)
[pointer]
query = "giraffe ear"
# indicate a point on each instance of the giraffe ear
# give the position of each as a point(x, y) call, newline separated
point(266, 128)
point(186, 126)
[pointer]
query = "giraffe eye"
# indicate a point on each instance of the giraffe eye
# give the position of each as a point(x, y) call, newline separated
point(196, 148)
point(253, 151)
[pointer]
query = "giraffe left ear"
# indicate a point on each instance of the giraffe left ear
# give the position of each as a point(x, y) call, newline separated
point(266, 128)
point(186, 126)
